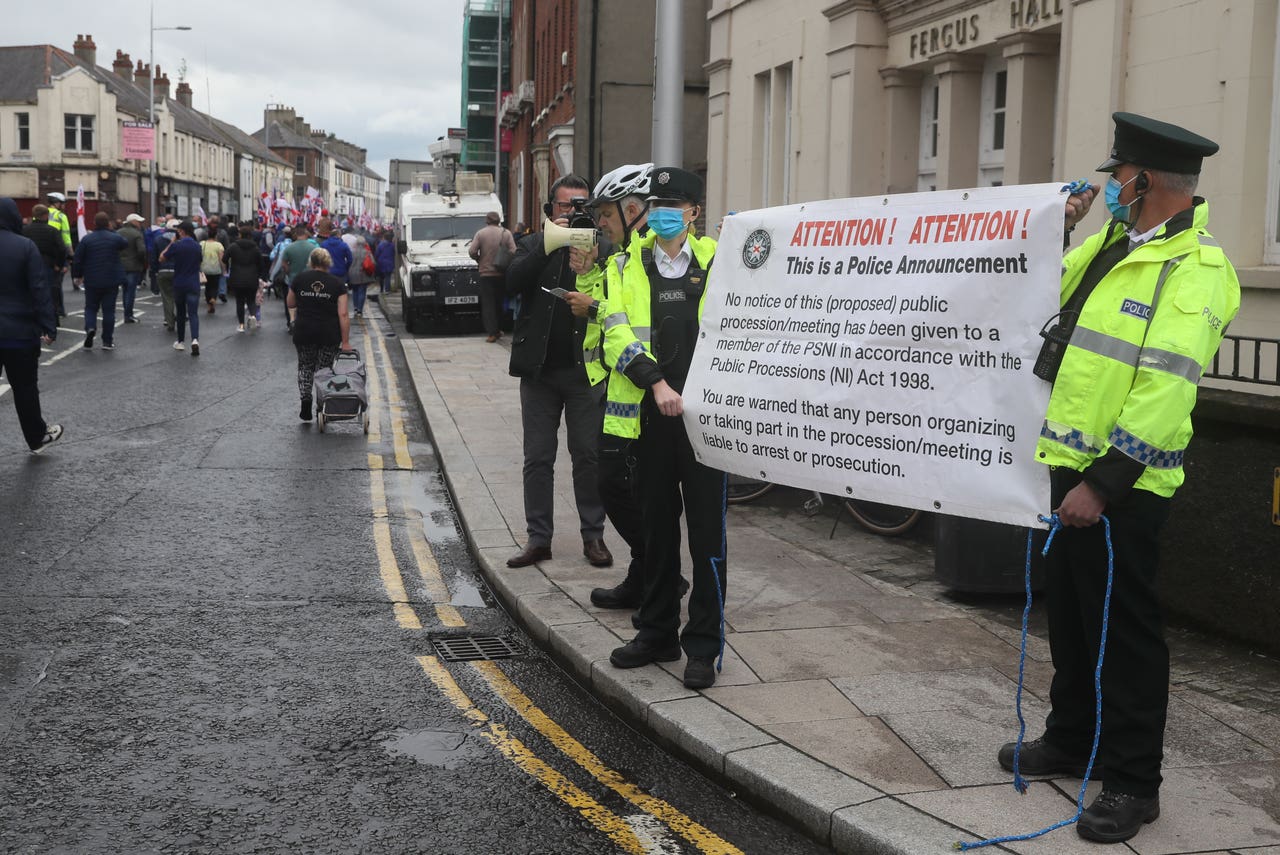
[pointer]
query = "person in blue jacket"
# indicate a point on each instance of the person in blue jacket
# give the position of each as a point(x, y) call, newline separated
point(385, 256)
point(97, 267)
point(337, 247)
point(26, 320)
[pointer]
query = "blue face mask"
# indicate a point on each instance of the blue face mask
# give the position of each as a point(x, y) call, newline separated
point(667, 223)
point(1111, 195)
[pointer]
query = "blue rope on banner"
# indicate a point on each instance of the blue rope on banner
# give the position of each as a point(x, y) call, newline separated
point(1019, 782)
point(715, 571)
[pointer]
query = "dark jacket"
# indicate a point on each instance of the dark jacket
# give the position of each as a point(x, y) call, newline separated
point(49, 241)
point(385, 256)
point(243, 262)
point(26, 303)
point(546, 334)
point(134, 256)
point(97, 259)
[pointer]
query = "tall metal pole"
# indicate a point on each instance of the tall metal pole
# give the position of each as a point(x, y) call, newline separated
point(151, 112)
point(668, 83)
point(497, 112)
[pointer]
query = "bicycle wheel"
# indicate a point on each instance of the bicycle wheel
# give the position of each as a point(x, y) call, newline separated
point(742, 489)
point(887, 520)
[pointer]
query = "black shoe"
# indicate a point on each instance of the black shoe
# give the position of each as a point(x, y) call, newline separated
point(1040, 758)
point(1114, 817)
point(222, 298)
point(635, 619)
point(305, 412)
point(88, 339)
point(130, 320)
point(638, 652)
point(108, 345)
point(621, 596)
point(700, 672)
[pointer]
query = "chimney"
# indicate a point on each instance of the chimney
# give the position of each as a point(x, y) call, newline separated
point(86, 49)
point(142, 75)
point(123, 65)
point(184, 93)
point(162, 84)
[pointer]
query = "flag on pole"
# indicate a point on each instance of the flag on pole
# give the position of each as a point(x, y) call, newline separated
point(200, 216)
point(80, 227)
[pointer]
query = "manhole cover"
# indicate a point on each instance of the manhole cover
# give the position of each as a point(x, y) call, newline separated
point(469, 648)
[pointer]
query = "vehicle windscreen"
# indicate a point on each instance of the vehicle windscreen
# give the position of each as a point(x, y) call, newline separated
point(440, 228)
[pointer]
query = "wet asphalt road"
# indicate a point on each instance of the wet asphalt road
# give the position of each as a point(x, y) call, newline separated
point(198, 652)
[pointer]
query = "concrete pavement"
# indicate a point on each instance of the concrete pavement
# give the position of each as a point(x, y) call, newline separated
point(867, 714)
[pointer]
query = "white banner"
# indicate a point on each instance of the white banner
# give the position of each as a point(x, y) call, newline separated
point(882, 348)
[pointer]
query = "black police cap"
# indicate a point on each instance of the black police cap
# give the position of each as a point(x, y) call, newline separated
point(1154, 144)
point(671, 182)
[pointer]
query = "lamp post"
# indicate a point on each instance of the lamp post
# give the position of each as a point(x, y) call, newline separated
point(151, 107)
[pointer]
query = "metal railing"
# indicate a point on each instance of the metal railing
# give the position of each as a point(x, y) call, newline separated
point(1247, 359)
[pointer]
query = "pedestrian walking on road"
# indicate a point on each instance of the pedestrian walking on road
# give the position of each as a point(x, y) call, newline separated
point(488, 247)
point(321, 325)
point(53, 252)
point(97, 266)
point(1115, 435)
point(186, 257)
point(164, 271)
point(336, 247)
point(134, 260)
point(26, 320)
point(57, 204)
point(386, 257)
point(358, 277)
point(243, 262)
point(211, 250)
point(296, 258)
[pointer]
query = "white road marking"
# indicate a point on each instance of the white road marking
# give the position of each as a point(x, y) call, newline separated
point(653, 835)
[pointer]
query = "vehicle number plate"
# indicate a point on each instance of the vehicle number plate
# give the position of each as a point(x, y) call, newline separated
point(455, 301)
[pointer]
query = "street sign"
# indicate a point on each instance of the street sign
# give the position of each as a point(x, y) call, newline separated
point(137, 141)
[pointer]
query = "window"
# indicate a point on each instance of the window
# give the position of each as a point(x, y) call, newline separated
point(927, 177)
point(24, 131)
point(300, 164)
point(78, 132)
point(995, 83)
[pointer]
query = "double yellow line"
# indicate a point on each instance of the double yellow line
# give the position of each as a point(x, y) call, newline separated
point(609, 823)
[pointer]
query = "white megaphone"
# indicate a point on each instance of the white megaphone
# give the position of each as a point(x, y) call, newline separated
point(555, 236)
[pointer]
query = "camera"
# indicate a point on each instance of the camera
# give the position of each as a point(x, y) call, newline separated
point(581, 219)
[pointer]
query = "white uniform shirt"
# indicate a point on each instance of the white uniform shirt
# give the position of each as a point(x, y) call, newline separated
point(673, 268)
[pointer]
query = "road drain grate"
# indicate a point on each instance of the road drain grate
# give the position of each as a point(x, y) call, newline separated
point(469, 648)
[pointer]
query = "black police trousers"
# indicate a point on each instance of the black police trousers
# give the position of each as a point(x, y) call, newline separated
point(617, 471)
point(672, 480)
point(1135, 671)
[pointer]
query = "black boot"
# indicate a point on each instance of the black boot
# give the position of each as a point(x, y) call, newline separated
point(1114, 817)
point(1039, 757)
point(305, 412)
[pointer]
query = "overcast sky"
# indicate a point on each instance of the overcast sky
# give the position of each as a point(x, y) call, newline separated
point(388, 82)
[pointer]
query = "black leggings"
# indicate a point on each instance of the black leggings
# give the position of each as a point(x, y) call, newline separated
point(246, 299)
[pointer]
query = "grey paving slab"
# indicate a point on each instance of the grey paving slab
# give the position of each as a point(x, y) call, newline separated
point(795, 783)
point(1000, 810)
point(864, 748)
point(636, 689)
point(581, 645)
point(887, 826)
point(705, 730)
point(1228, 806)
point(1260, 727)
point(875, 649)
point(776, 703)
point(493, 538)
point(539, 613)
point(924, 691)
point(961, 744)
point(514, 583)
point(1194, 738)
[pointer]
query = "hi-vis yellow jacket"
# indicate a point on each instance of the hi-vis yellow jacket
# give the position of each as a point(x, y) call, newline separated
point(592, 283)
point(626, 324)
point(59, 221)
point(1120, 410)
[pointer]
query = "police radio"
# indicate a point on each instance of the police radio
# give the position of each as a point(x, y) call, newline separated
point(1056, 334)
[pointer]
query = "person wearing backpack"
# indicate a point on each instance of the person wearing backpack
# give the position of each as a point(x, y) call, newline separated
point(211, 267)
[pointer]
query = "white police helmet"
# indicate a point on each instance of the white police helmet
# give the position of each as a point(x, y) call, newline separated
point(629, 180)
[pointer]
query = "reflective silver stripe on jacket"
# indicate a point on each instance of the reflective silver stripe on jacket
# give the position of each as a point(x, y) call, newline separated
point(1105, 345)
point(1172, 363)
point(614, 320)
point(594, 354)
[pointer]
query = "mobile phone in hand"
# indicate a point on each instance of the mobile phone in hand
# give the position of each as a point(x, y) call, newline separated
point(557, 292)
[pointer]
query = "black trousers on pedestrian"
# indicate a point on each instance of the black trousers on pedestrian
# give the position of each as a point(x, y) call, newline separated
point(620, 493)
point(1135, 672)
point(491, 291)
point(20, 366)
point(672, 480)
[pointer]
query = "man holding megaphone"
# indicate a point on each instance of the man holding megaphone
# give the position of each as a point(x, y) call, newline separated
point(547, 356)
